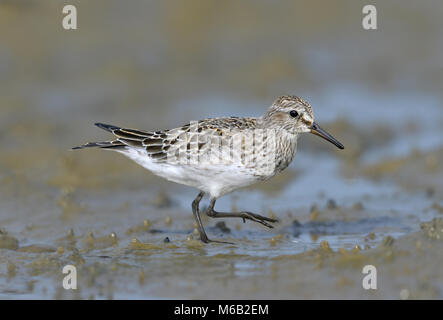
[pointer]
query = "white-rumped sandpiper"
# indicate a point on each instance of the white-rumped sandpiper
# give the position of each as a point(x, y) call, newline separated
point(220, 155)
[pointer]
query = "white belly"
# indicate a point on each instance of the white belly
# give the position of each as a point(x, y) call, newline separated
point(216, 180)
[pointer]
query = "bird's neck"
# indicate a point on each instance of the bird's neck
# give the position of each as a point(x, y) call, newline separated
point(285, 143)
point(286, 147)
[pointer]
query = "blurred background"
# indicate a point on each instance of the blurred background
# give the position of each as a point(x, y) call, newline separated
point(159, 64)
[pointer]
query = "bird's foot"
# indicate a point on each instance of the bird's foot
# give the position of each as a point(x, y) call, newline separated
point(204, 238)
point(244, 215)
point(258, 218)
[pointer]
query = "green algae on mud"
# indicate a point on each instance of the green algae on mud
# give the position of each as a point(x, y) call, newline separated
point(47, 192)
point(416, 171)
point(8, 242)
point(401, 265)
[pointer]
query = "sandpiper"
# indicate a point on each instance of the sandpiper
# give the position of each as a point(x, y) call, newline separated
point(220, 155)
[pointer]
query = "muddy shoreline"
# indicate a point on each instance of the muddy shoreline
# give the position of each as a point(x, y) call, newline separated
point(157, 65)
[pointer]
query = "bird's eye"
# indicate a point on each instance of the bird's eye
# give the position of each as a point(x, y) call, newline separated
point(293, 113)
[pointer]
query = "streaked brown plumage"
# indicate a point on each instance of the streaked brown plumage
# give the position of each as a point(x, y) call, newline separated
point(247, 146)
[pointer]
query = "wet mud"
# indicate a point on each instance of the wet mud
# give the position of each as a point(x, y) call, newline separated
point(131, 235)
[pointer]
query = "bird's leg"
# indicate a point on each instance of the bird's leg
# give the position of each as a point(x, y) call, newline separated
point(196, 212)
point(243, 214)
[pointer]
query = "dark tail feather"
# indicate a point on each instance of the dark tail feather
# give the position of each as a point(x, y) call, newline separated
point(107, 127)
point(103, 145)
point(115, 144)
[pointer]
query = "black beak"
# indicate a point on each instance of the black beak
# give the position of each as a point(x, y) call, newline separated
point(315, 129)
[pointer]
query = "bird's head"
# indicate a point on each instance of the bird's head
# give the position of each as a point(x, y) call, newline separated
point(295, 115)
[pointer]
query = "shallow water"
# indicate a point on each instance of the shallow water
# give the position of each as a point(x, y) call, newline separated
point(338, 210)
